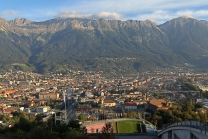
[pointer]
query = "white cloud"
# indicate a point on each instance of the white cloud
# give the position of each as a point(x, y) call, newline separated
point(8, 13)
point(201, 13)
point(162, 16)
point(193, 13)
point(74, 14)
point(154, 10)
point(158, 17)
point(123, 6)
point(108, 15)
point(184, 13)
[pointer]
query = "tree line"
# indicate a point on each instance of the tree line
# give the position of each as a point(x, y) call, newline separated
point(27, 127)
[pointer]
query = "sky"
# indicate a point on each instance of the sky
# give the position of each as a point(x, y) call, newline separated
point(158, 11)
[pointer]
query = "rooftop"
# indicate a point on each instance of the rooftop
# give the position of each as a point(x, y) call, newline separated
point(157, 101)
point(130, 104)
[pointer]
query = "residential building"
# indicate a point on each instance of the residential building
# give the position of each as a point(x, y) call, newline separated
point(155, 104)
point(109, 103)
point(130, 105)
point(42, 109)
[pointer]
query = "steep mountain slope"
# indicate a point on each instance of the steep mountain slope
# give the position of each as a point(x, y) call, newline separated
point(107, 45)
point(14, 49)
point(82, 43)
point(188, 37)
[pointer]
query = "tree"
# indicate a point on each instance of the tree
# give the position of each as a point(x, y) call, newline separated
point(74, 134)
point(205, 94)
point(48, 103)
point(24, 124)
point(187, 107)
point(107, 129)
point(38, 118)
point(168, 116)
point(198, 105)
point(158, 121)
point(82, 118)
point(5, 118)
point(37, 133)
point(131, 114)
point(83, 129)
point(50, 125)
point(92, 130)
point(74, 124)
point(203, 116)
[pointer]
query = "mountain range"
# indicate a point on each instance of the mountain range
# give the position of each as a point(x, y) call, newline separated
point(130, 46)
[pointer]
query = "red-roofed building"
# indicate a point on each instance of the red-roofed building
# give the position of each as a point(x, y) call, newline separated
point(8, 110)
point(109, 103)
point(10, 91)
point(156, 104)
point(131, 105)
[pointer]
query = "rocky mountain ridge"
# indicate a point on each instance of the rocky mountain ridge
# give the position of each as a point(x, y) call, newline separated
point(86, 44)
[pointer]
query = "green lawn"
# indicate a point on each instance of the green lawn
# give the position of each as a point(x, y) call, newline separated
point(129, 126)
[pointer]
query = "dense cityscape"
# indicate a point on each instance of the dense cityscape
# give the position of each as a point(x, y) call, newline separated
point(93, 100)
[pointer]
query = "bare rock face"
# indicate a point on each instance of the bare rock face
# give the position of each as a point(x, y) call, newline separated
point(26, 27)
point(22, 21)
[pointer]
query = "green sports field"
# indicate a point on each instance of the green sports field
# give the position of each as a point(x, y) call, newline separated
point(128, 126)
